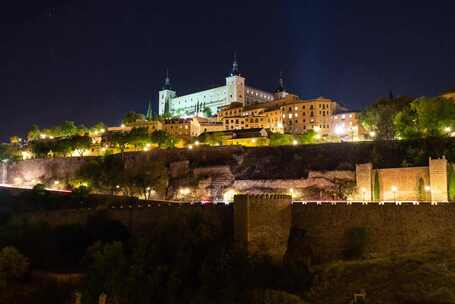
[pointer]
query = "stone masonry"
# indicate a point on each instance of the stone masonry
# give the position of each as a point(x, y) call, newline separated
point(262, 224)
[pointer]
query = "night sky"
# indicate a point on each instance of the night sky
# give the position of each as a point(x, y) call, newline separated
point(94, 60)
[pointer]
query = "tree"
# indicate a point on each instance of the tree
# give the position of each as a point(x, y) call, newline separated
point(376, 187)
point(426, 117)
point(207, 112)
point(308, 137)
point(451, 182)
point(67, 128)
point(138, 137)
point(9, 152)
point(13, 265)
point(120, 140)
point(80, 143)
point(33, 133)
point(104, 174)
point(277, 139)
point(108, 266)
point(212, 138)
point(379, 117)
point(41, 148)
point(132, 117)
point(143, 181)
point(163, 139)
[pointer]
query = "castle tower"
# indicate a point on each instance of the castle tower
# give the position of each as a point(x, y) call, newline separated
point(262, 224)
point(165, 96)
point(280, 92)
point(235, 85)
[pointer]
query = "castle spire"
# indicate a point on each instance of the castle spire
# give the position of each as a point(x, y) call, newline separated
point(149, 113)
point(167, 81)
point(280, 83)
point(235, 66)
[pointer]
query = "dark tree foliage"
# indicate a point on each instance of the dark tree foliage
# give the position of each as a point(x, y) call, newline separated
point(61, 248)
point(379, 117)
point(185, 262)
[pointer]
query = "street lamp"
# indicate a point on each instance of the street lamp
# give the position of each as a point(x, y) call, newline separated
point(295, 142)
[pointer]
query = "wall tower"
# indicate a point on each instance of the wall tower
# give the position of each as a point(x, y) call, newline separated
point(235, 85)
point(165, 96)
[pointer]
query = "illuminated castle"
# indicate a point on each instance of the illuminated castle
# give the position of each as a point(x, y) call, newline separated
point(235, 90)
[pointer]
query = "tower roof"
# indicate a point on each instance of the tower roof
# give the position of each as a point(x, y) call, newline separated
point(235, 67)
point(167, 81)
point(280, 87)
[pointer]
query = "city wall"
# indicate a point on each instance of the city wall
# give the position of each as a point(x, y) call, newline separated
point(404, 184)
point(317, 232)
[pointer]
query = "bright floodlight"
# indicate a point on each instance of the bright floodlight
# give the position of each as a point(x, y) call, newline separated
point(339, 130)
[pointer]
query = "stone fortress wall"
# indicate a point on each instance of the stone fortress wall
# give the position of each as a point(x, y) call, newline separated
point(262, 224)
point(404, 184)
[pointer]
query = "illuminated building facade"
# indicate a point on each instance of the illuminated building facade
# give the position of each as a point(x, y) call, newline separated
point(234, 90)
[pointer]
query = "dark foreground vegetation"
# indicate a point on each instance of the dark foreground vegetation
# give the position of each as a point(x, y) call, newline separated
point(191, 260)
point(178, 262)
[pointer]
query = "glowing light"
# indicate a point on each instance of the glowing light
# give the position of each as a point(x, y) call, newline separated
point(427, 188)
point(17, 180)
point(56, 182)
point(318, 136)
point(448, 129)
point(26, 155)
point(317, 129)
point(146, 149)
point(117, 187)
point(103, 130)
point(394, 189)
point(452, 134)
point(185, 191)
point(279, 125)
point(228, 196)
point(372, 134)
point(51, 137)
point(339, 130)
point(122, 125)
point(254, 140)
point(197, 143)
point(295, 142)
point(190, 147)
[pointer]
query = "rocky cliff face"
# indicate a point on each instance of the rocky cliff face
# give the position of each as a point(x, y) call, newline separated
point(207, 173)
